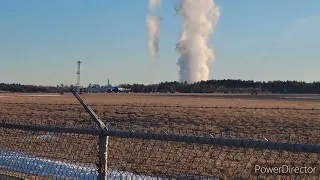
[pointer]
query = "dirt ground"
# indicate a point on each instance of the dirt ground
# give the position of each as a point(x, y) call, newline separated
point(227, 116)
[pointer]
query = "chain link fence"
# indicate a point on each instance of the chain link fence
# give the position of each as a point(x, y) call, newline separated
point(60, 141)
point(165, 106)
point(47, 152)
point(70, 153)
point(279, 124)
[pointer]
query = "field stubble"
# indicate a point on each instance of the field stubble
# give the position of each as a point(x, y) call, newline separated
point(281, 125)
point(143, 113)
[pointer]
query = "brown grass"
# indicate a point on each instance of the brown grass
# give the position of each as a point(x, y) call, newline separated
point(164, 99)
point(245, 123)
point(298, 126)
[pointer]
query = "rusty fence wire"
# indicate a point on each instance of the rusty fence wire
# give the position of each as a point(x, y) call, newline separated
point(48, 152)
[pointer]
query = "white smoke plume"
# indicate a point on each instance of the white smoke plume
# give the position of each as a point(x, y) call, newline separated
point(199, 18)
point(154, 3)
point(153, 25)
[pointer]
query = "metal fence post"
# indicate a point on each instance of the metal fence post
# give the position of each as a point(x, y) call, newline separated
point(103, 155)
point(103, 140)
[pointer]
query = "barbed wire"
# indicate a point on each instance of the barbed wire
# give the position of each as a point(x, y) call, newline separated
point(170, 106)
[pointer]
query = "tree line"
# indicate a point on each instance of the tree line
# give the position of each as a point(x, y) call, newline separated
point(210, 86)
point(14, 87)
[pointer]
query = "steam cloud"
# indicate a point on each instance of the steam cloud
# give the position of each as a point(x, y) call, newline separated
point(199, 18)
point(153, 25)
point(154, 3)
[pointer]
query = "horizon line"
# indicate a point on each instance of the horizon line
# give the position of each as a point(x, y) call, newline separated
point(255, 81)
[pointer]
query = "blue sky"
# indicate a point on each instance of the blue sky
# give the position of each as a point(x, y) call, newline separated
point(40, 41)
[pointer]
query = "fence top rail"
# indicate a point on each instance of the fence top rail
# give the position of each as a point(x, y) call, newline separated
point(240, 143)
point(167, 106)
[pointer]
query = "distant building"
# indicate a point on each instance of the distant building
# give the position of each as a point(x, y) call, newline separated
point(4, 91)
point(104, 89)
point(124, 90)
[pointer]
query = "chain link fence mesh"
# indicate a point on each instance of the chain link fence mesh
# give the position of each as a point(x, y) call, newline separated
point(48, 155)
point(75, 156)
point(44, 155)
point(294, 125)
point(188, 160)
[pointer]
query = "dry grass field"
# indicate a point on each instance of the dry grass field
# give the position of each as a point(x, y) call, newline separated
point(154, 113)
point(178, 114)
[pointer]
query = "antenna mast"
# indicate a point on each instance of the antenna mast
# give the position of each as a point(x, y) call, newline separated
point(78, 74)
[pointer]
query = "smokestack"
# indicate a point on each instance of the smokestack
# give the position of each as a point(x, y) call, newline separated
point(198, 21)
point(108, 83)
point(153, 26)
